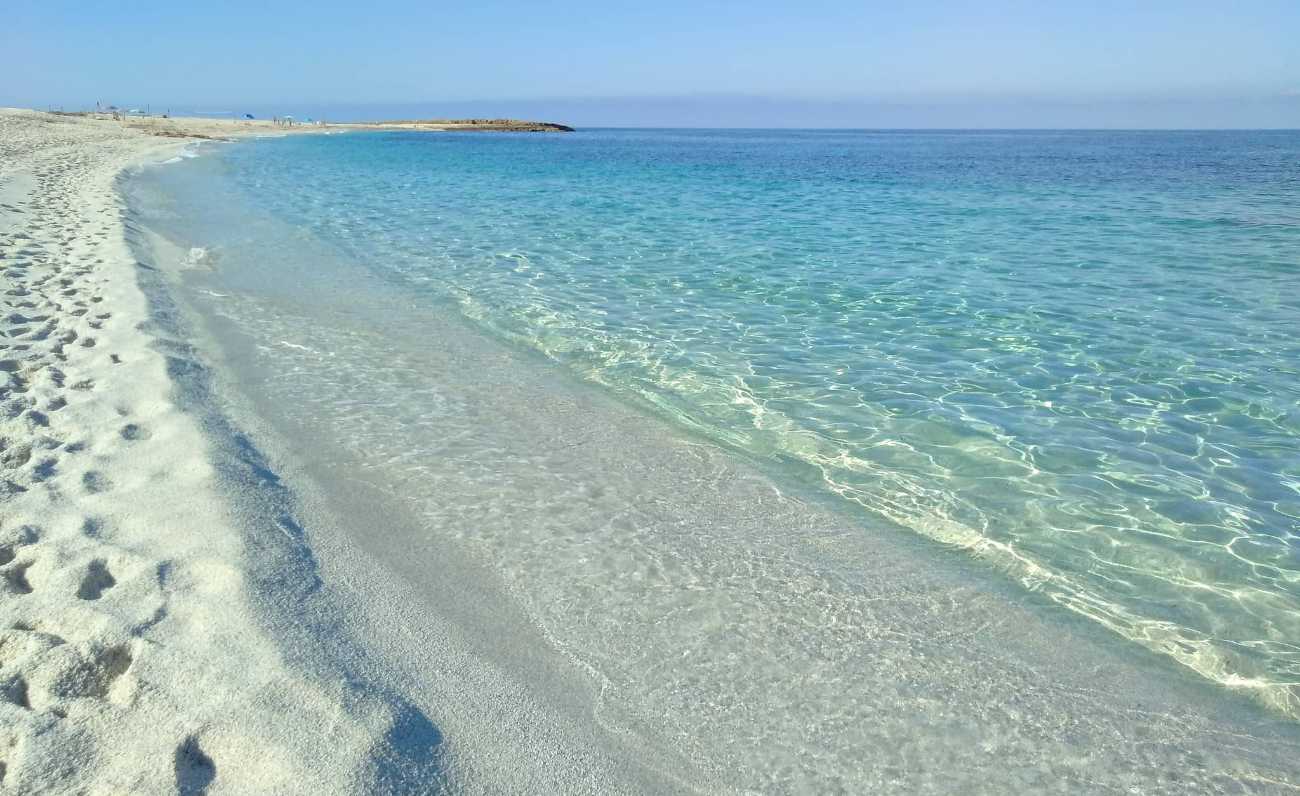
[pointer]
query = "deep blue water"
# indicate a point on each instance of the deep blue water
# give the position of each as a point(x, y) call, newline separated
point(1073, 354)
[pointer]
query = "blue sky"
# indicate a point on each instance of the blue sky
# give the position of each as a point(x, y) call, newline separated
point(836, 63)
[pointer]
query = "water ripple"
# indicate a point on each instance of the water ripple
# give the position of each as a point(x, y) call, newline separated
point(1072, 355)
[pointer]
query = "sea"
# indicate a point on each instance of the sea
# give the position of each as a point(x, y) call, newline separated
point(1064, 362)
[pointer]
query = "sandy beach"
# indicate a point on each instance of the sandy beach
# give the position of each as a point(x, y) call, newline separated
point(204, 590)
point(133, 656)
point(165, 627)
point(689, 399)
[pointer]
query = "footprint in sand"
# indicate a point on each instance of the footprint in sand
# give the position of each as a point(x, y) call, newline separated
point(96, 581)
point(96, 482)
point(133, 432)
point(15, 578)
point(195, 771)
point(15, 538)
point(90, 672)
point(12, 458)
point(45, 470)
point(15, 692)
point(13, 573)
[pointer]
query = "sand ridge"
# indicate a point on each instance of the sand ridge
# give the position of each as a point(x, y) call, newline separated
point(131, 655)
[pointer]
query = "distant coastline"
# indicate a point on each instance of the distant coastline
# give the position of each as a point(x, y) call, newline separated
point(201, 127)
point(487, 125)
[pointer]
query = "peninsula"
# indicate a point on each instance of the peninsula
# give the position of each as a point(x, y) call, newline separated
point(167, 126)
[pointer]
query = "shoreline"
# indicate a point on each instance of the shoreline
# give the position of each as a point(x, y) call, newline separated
point(923, 623)
point(134, 645)
point(274, 511)
point(276, 683)
point(442, 654)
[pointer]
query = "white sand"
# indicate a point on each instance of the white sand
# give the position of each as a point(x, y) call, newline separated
point(132, 654)
point(164, 626)
point(157, 636)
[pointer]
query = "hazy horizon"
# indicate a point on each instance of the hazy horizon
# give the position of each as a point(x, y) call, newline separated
point(770, 113)
point(1002, 64)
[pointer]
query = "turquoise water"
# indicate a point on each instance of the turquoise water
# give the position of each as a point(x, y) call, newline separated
point(1072, 354)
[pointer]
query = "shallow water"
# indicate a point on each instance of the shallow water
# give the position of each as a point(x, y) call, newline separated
point(1070, 354)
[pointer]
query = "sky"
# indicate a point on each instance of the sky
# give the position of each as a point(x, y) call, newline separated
point(815, 63)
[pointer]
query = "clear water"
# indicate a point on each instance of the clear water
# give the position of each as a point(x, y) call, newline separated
point(1074, 355)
